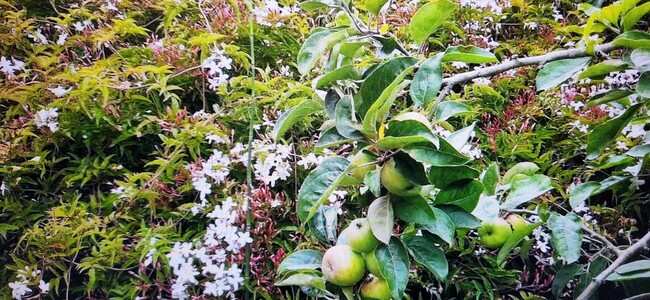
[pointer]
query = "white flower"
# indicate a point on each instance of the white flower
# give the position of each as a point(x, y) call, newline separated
point(542, 246)
point(531, 25)
point(620, 145)
point(275, 203)
point(59, 91)
point(459, 65)
point(576, 105)
point(581, 208)
point(577, 125)
point(481, 81)
point(19, 289)
point(286, 71)
point(38, 37)
point(9, 67)
point(44, 286)
point(3, 188)
point(214, 139)
point(62, 38)
point(47, 117)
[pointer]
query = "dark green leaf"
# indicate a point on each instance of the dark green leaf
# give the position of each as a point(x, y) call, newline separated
point(372, 180)
point(605, 134)
point(469, 54)
point(394, 266)
point(601, 69)
point(301, 260)
point(294, 115)
point(443, 176)
point(319, 184)
point(448, 109)
point(382, 77)
point(315, 47)
point(330, 138)
point(343, 73)
point(515, 238)
point(582, 192)
point(378, 111)
point(428, 254)
point(435, 157)
point(525, 190)
point(303, 279)
point(460, 217)
point(643, 85)
point(566, 235)
point(323, 224)
point(563, 276)
point(632, 39)
point(461, 193)
point(607, 97)
point(417, 210)
point(491, 179)
point(346, 122)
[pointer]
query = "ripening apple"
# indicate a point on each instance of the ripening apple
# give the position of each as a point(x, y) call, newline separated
point(517, 222)
point(372, 264)
point(362, 164)
point(342, 266)
point(397, 183)
point(359, 236)
point(375, 289)
point(494, 233)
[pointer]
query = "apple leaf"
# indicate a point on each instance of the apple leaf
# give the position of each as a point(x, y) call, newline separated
point(525, 190)
point(403, 134)
point(447, 156)
point(427, 81)
point(526, 168)
point(346, 122)
point(599, 70)
point(460, 217)
point(381, 78)
point(607, 97)
point(303, 279)
point(381, 217)
point(563, 276)
point(443, 176)
point(566, 235)
point(632, 39)
point(394, 266)
point(378, 111)
point(331, 137)
point(417, 210)
point(428, 18)
point(557, 72)
point(372, 180)
point(343, 73)
point(634, 15)
point(460, 137)
point(515, 238)
point(323, 224)
point(294, 115)
point(425, 252)
point(469, 54)
point(643, 85)
point(605, 134)
point(319, 184)
point(315, 47)
point(301, 260)
point(461, 193)
point(448, 109)
point(582, 192)
point(491, 179)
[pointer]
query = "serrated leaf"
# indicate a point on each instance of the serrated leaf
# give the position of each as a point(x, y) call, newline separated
point(525, 190)
point(448, 109)
point(429, 17)
point(582, 192)
point(381, 218)
point(604, 134)
point(566, 235)
point(632, 39)
point(382, 77)
point(469, 54)
point(319, 184)
point(394, 266)
point(294, 115)
point(635, 15)
point(425, 252)
point(557, 72)
point(427, 81)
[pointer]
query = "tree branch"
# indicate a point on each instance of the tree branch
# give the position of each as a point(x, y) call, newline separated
point(516, 63)
point(644, 296)
point(624, 257)
point(604, 240)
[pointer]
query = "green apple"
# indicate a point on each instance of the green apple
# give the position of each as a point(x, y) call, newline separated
point(494, 233)
point(517, 222)
point(342, 266)
point(372, 264)
point(359, 236)
point(397, 183)
point(362, 163)
point(413, 116)
point(375, 289)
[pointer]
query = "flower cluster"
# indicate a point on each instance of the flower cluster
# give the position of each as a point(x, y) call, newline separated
point(205, 173)
point(20, 288)
point(270, 13)
point(10, 66)
point(210, 259)
point(47, 118)
point(215, 66)
point(272, 162)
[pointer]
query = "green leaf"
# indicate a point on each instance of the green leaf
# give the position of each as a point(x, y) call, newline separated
point(319, 184)
point(427, 81)
point(303, 279)
point(441, 177)
point(607, 97)
point(314, 5)
point(301, 260)
point(462, 193)
point(525, 190)
point(582, 192)
point(460, 217)
point(323, 224)
point(469, 54)
point(634, 15)
point(639, 151)
point(417, 210)
point(294, 115)
point(315, 47)
point(566, 235)
point(428, 18)
point(641, 59)
point(346, 121)
point(448, 109)
point(436, 157)
point(331, 137)
point(394, 266)
point(372, 180)
point(381, 218)
point(378, 111)
point(605, 134)
point(513, 240)
point(526, 168)
point(491, 179)
point(381, 78)
point(425, 252)
point(348, 72)
point(632, 39)
point(563, 276)
point(460, 137)
point(557, 72)
point(374, 6)
point(643, 85)
point(402, 134)
point(601, 69)
point(626, 5)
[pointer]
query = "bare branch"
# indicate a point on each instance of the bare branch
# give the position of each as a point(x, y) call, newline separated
point(626, 255)
point(603, 239)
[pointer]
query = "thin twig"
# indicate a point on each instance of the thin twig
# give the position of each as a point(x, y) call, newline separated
point(626, 255)
point(602, 239)
point(644, 296)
